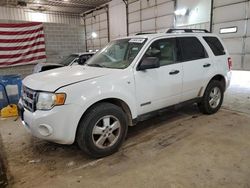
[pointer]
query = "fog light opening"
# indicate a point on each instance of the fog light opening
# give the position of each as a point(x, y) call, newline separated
point(45, 130)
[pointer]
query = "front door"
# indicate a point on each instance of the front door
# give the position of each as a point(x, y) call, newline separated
point(160, 87)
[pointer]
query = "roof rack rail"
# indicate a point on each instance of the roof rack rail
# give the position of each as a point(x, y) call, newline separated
point(188, 30)
point(144, 33)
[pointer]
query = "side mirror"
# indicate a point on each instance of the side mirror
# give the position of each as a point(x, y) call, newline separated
point(149, 63)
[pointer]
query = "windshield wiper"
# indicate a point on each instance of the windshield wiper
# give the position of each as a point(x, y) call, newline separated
point(95, 65)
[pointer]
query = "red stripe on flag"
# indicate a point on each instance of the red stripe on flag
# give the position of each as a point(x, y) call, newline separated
point(24, 54)
point(6, 25)
point(21, 47)
point(21, 32)
point(21, 40)
point(24, 60)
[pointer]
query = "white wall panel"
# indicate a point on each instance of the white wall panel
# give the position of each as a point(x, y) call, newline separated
point(247, 45)
point(96, 42)
point(230, 13)
point(103, 25)
point(162, 1)
point(248, 27)
point(218, 3)
point(234, 13)
point(103, 33)
point(165, 8)
point(246, 65)
point(147, 3)
point(103, 17)
point(248, 10)
point(96, 26)
point(89, 42)
point(134, 27)
point(150, 15)
point(88, 28)
point(234, 45)
point(134, 17)
point(237, 62)
point(104, 41)
point(88, 21)
point(148, 25)
point(134, 6)
point(164, 22)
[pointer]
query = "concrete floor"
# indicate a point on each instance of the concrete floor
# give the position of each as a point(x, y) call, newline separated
point(237, 96)
point(178, 149)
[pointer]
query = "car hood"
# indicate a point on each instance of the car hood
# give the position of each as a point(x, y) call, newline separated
point(53, 79)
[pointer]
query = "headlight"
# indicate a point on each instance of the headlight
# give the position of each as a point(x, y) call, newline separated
point(46, 101)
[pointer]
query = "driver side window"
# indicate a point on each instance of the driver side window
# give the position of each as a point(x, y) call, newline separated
point(164, 50)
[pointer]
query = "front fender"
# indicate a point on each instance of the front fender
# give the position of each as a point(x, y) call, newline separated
point(87, 93)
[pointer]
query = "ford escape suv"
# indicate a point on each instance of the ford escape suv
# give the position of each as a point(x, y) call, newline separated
point(129, 79)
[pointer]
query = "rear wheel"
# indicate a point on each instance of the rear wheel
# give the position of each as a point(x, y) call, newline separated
point(212, 98)
point(102, 130)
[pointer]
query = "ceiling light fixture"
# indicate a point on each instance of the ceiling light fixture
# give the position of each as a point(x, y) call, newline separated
point(93, 34)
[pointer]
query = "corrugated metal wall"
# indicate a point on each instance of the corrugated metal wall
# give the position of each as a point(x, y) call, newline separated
point(21, 14)
point(150, 15)
point(96, 22)
point(234, 14)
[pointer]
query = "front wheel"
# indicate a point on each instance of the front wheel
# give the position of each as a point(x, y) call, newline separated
point(212, 98)
point(102, 130)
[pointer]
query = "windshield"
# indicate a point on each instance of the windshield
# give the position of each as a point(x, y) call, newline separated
point(66, 61)
point(117, 54)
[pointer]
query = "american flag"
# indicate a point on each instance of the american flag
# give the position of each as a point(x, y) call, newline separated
point(21, 43)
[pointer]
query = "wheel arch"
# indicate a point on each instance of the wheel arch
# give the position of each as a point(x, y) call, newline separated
point(219, 78)
point(118, 102)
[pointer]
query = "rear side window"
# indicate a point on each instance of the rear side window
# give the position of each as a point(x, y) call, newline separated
point(191, 48)
point(215, 45)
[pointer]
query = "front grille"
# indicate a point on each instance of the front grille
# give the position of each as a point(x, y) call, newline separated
point(29, 99)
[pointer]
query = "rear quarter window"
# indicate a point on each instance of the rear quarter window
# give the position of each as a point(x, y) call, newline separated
point(215, 45)
point(191, 49)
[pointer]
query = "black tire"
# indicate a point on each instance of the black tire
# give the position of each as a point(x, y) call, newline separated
point(86, 126)
point(204, 105)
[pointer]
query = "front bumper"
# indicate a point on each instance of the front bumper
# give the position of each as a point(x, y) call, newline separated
point(56, 125)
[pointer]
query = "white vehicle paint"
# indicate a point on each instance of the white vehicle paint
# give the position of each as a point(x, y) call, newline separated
point(142, 91)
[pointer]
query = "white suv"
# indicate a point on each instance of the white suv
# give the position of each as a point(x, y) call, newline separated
point(128, 80)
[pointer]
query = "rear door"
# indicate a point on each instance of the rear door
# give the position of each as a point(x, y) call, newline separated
point(196, 66)
point(220, 56)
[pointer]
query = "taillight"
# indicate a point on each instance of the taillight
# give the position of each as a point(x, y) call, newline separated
point(230, 63)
